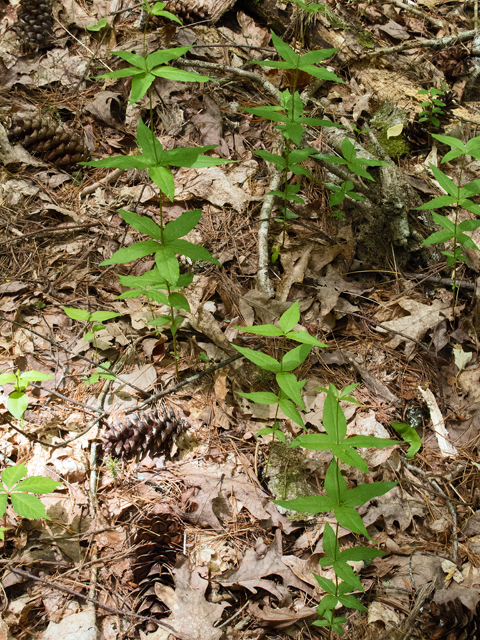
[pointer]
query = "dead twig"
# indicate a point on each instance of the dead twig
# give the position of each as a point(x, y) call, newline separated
point(435, 43)
point(71, 592)
point(102, 183)
point(184, 383)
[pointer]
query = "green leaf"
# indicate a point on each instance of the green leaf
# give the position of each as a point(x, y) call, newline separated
point(265, 432)
point(135, 251)
point(349, 518)
point(12, 475)
point(314, 442)
point(468, 225)
point(470, 189)
point(327, 585)
point(352, 603)
point(348, 455)
point(36, 376)
point(167, 263)
point(178, 75)
point(28, 506)
point(164, 180)
point(262, 360)
point(141, 83)
point(17, 403)
point(441, 201)
point(178, 301)
point(292, 359)
point(165, 55)
point(260, 397)
point(308, 504)
point(409, 435)
point(37, 484)
point(160, 321)
point(365, 492)
point(132, 58)
point(142, 223)
point(77, 314)
point(122, 73)
point(3, 503)
point(284, 50)
point(438, 237)
point(330, 542)
point(271, 157)
point(288, 383)
point(101, 316)
point(445, 182)
point(193, 251)
point(120, 162)
point(314, 57)
point(182, 225)
point(305, 338)
point(268, 330)
point(7, 378)
point(290, 318)
point(101, 24)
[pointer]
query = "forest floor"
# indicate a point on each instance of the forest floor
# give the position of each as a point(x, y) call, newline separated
point(185, 541)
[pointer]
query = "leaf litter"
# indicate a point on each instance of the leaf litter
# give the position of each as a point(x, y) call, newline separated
point(191, 537)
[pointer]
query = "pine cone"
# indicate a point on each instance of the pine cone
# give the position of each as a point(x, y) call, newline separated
point(35, 21)
point(156, 536)
point(187, 10)
point(43, 138)
point(450, 621)
point(141, 432)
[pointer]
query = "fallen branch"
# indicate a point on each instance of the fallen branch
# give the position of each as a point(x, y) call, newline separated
point(102, 183)
point(419, 44)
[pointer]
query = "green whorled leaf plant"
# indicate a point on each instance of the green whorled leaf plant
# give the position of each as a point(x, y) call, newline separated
point(343, 502)
point(21, 492)
point(457, 197)
point(18, 400)
point(289, 115)
point(288, 398)
point(161, 284)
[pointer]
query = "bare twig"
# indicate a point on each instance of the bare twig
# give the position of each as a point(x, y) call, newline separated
point(102, 183)
point(184, 383)
point(420, 44)
point(76, 355)
point(264, 283)
point(60, 587)
point(268, 86)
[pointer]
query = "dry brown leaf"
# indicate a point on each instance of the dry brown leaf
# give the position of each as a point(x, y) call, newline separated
point(422, 318)
point(192, 617)
point(255, 567)
point(221, 483)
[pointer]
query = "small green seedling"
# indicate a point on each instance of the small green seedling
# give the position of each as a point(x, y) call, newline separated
point(99, 373)
point(432, 107)
point(98, 26)
point(89, 317)
point(457, 197)
point(409, 434)
point(18, 400)
point(113, 466)
point(19, 492)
